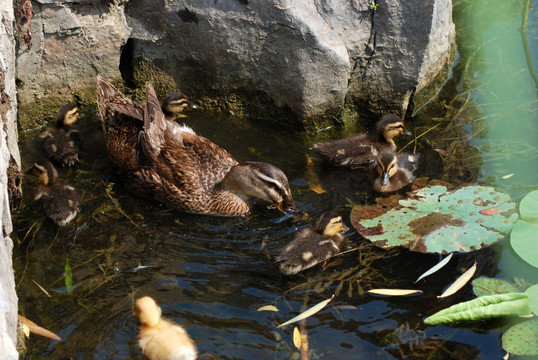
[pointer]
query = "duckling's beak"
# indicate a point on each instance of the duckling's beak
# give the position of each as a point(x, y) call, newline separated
point(406, 132)
point(192, 105)
point(385, 179)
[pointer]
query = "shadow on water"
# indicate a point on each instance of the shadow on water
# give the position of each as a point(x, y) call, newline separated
point(212, 274)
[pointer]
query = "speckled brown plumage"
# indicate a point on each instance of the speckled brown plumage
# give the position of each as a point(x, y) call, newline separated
point(391, 172)
point(313, 245)
point(58, 202)
point(362, 149)
point(162, 160)
point(61, 142)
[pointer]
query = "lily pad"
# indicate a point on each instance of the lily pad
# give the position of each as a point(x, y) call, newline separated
point(488, 286)
point(523, 240)
point(522, 339)
point(434, 219)
point(528, 207)
point(533, 298)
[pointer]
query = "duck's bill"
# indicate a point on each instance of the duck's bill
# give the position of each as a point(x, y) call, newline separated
point(407, 132)
point(192, 105)
point(286, 207)
point(385, 179)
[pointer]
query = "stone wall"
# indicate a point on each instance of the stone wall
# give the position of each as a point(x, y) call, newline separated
point(298, 60)
point(9, 155)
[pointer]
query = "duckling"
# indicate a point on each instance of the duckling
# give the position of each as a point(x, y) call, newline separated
point(61, 142)
point(391, 171)
point(59, 202)
point(159, 338)
point(362, 149)
point(162, 160)
point(312, 245)
point(174, 104)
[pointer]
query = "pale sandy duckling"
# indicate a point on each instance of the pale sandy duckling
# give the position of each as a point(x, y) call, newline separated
point(59, 202)
point(362, 149)
point(159, 338)
point(61, 142)
point(312, 245)
point(164, 161)
point(174, 104)
point(391, 171)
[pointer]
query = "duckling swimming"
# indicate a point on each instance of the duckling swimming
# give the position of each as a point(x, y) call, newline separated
point(159, 338)
point(59, 202)
point(312, 245)
point(162, 160)
point(391, 171)
point(61, 142)
point(362, 149)
point(174, 104)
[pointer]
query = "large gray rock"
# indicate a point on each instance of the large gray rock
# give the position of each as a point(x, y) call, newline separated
point(9, 153)
point(304, 58)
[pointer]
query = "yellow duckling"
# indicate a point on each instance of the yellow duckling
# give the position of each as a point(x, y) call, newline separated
point(362, 149)
point(162, 160)
point(59, 202)
point(61, 142)
point(159, 338)
point(391, 171)
point(310, 246)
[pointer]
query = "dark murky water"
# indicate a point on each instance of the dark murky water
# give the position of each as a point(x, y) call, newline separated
point(212, 274)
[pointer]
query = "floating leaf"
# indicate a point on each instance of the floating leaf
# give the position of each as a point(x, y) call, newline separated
point(528, 207)
point(68, 277)
point(296, 337)
point(483, 286)
point(268, 308)
point(435, 268)
point(434, 219)
point(522, 338)
point(459, 283)
point(484, 307)
point(26, 330)
point(523, 240)
point(508, 176)
point(395, 292)
point(533, 298)
point(38, 330)
point(314, 309)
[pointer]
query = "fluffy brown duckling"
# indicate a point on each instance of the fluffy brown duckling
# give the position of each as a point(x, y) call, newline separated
point(159, 338)
point(174, 104)
point(391, 171)
point(61, 142)
point(59, 202)
point(362, 149)
point(312, 245)
point(162, 160)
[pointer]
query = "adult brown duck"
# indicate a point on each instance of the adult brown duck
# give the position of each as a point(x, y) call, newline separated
point(168, 162)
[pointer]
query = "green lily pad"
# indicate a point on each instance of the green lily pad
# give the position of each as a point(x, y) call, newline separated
point(528, 207)
point(483, 286)
point(436, 220)
point(523, 238)
point(522, 339)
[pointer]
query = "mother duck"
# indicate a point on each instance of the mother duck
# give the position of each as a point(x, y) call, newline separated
point(162, 160)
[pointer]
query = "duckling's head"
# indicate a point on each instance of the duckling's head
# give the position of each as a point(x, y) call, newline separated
point(263, 181)
point(330, 224)
point(391, 125)
point(147, 311)
point(67, 115)
point(45, 172)
point(175, 103)
point(386, 165)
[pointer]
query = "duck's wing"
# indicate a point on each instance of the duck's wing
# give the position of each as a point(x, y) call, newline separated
point(112, 103)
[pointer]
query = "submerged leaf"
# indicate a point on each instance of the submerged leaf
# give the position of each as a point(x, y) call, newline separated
point(434, 219)
point(459, 283)
point(68, 277)
point(435, 268)
point(296, 337)
point(314, 309)
point(484, 307)
point(268, 308)
point(38, 330)
point(522, 338)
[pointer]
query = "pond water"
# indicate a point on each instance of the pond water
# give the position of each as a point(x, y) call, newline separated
point(212, 274)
